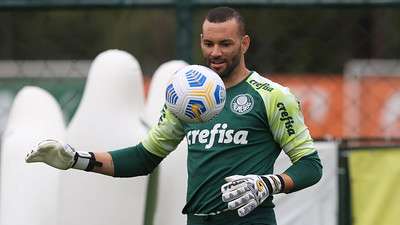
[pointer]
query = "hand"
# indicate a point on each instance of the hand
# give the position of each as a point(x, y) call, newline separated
point(244, 193)
point(53, 153)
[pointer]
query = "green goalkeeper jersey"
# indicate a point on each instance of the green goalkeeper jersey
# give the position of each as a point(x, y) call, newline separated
point(260, 118)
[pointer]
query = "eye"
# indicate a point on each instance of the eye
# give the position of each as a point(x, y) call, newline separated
point(208, 44)
point(226, 44)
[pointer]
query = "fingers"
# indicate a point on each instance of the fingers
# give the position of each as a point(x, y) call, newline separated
point(230, 195)
point(233, 177)
point(30, 157)
point(36, 154)
point(246, 209)
point(241, 193)
point(47, 145)
point(233, 182)
point(241, 201)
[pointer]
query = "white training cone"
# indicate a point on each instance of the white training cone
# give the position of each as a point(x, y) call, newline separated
point(172, 179)
point(29, 193)
point(106, 119)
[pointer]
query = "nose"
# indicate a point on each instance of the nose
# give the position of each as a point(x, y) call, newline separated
point(216, 51)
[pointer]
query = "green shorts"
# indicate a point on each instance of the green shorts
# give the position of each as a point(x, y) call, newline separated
point(259, 216)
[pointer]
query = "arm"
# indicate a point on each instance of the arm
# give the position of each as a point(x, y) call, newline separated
point(303, 173)
point(133, 161)
point(245, 193)
point(128, 162)
point(306, 172)
point(105, 159)
point(286, 123)
point(290, 132)
point(288, 181)
point(63, 157)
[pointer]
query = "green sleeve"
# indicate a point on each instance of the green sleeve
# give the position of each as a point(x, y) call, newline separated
point(305, 172)
point(287, 125)
point(165, 136)
point(134, 161)
point(284, 118)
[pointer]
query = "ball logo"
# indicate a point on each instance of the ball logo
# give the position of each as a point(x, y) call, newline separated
point(195, 94)
point(242, 104)
point(194, 109)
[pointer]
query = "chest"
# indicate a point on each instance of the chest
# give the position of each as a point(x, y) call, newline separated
point(242, 118)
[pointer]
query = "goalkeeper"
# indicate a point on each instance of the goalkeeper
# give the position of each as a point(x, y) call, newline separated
point(231, 157)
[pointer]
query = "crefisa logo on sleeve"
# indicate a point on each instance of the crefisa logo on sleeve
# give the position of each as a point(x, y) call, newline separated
point(242, 104)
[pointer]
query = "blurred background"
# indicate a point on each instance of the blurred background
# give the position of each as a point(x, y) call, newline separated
point(340, 57)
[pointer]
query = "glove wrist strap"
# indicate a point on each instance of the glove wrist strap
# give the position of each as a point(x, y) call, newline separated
point(85, 161)
point(275, 183)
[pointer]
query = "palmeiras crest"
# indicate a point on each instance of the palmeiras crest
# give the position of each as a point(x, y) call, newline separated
point(242, 104)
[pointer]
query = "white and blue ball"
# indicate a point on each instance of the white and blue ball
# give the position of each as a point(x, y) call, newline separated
point(195, 94)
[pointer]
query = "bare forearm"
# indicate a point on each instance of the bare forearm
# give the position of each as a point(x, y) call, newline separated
point(107, 167)
point(289, 184)
point(128, 162)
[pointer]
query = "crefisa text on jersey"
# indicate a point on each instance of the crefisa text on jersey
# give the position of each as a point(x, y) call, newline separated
point(219, 133)
point(264, 86)
point(286, 118)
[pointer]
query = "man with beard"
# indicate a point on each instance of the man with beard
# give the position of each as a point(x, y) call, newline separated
point(230, 170)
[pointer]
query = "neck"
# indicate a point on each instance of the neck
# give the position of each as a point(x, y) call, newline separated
point(238, 74)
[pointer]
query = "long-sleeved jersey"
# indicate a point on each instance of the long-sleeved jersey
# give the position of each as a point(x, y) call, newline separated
point(260, 118)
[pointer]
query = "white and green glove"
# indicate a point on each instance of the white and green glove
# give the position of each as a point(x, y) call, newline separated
point(245, 193)
point(61, 156)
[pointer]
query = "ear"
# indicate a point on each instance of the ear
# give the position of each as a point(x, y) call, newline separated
point(245, 43)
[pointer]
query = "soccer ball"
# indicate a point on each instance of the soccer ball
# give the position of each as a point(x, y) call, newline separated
point(195, 94)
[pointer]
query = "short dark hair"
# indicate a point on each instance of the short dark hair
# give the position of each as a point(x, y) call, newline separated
point(223, 13)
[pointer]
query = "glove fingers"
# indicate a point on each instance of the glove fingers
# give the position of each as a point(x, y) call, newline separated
point(37, 154)
point(243, 200)
point(44, 150)
point(246, 209)
point(236, 184)
point(234, 194)
point(233, 177)
point(46, 146)
point(33, 156)
point(244, 193)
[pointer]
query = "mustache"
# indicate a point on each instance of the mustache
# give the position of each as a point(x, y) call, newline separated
point(216, 60)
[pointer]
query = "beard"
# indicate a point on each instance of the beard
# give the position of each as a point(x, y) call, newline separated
point(230, 66)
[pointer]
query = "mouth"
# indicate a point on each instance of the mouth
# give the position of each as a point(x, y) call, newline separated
point(217, 64)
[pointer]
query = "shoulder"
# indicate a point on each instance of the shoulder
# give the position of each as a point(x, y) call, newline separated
point(269, 90)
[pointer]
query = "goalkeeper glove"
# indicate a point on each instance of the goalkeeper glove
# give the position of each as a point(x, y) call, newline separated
point(245, 193)
point(61, 156)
